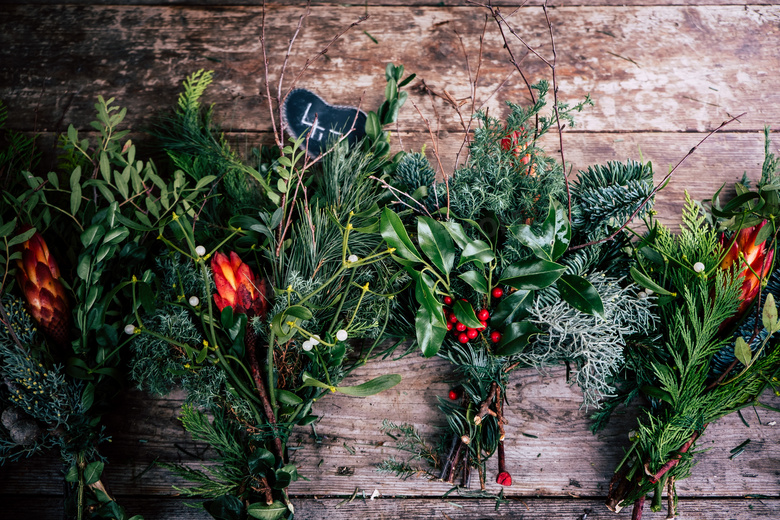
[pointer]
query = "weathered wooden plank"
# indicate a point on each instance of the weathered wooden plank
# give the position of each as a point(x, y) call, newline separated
point(385, 3)
point(452, 508)
point(563, 459)
point(648, 68)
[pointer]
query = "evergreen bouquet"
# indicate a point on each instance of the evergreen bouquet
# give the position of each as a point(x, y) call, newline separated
point(508, 272)
point(715, 349)
point(68, 237)
point(301, 296)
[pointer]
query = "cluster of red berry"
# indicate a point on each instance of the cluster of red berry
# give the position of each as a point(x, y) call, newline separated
point(464, 333)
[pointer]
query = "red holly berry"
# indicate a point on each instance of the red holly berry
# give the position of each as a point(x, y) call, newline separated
point(453, 395)
point(504, 478)
point(447, 300)
point(463, 338)
point(484, 324)
point(449, 326)
point(472, 333)
point(495, 336)
point(460, 327)
point(497, 292)
point(483, 315)
point(453, 318)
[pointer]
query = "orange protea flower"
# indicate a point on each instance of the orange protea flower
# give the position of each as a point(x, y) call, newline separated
point(237, 286)
point(515, 143)
point(38, 277)
point(753, 258)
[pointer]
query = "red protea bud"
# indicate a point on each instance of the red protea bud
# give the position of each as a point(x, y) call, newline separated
point(753, 259)
point(38, 277)
point(238, 287)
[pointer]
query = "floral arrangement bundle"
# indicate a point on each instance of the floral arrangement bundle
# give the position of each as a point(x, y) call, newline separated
point(715, 349)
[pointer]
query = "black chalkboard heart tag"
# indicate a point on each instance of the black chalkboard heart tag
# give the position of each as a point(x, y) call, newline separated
point(305, 111)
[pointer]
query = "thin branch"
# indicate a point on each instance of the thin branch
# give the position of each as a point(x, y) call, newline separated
point(277, 137)
point(398, 192)
point(436, 153)
point(658, 187)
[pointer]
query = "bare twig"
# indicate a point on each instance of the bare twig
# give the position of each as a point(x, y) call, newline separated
point(436, 153)
point(397, 192)
point(658, 186)
point(277, 138)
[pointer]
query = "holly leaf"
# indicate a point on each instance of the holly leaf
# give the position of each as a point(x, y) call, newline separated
point(554, 237)
point(476, 280)
point(516, 337)
point(392, 230)
point(436, 243)
point(580, 294)
point(514, 307)
point(530, 275)
point(465, 314)
point(430, 333)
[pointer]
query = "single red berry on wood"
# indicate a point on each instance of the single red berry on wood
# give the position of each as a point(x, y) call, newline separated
point(460, 327)
point(453, 395)
point(497, 292)
point(447, 300)
point(463, 338)
point(495, 336)
point(472, 333)
point(504, 478)
point(483, 315)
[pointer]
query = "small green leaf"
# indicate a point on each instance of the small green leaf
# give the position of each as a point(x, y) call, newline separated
point(477, 250)
point(260, 460)
point(266, 512)
point(92, 472)
point(72, 475)
point(516, 337)
point(21, 238)
point(105, 167)
point(374, 386)
point(226, 507)
point(436, 243)
point(373, 127)
point(532, 274)
point(769, 315)
point(515, 307)
point(742, 351)
point(75, 199)
point(395, 235)
point(554, 237)
point(8, 227)
point(580, 294)
point(310, 381)
point(657, 393)
point(465, 314)
point(287, 398)
point(92, 234)
point(645, 281)
point(476, 280)
point(430, 333)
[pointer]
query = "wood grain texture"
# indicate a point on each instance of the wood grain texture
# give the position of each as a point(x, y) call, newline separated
point(672, 69)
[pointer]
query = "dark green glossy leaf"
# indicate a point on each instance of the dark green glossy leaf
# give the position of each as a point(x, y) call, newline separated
point(657, 393)
point(423, 292)
point(288, 398)
point(477, 250)
point(530, 275)
point(580, 294)
point(88, 396)
point(436, 243)
point(92, 472)
point(374, 386)
point(465, 314)
point(260, 461)
point(516, 337)
point(395, 235)
point(429, 332)
point(476, 280)
point(457, 233)
point(553, 237)
point(266, 512)
point(514, 307)
point(226, 507)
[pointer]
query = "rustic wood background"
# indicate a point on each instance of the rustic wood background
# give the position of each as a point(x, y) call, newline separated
point(662, 76)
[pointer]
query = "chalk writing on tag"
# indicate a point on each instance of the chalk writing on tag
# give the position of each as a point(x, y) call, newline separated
point(305, 111)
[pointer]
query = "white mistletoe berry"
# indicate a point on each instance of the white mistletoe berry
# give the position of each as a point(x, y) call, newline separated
point(698, 267)
point(200, 250)
point(315, 339)
point(194, 301)
point(342, 335)
point(307, 345)
point(129, 329)
point(352, 259)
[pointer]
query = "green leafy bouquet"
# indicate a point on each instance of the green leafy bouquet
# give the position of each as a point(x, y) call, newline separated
point(302, 296)
point(67, 237)
point(511, 268)
point(715, 349)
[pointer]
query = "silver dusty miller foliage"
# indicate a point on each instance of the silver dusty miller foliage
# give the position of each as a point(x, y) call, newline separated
point(592, 345)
